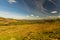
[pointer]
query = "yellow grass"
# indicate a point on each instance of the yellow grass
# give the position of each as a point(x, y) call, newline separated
point(21, 30)
point(24, 30)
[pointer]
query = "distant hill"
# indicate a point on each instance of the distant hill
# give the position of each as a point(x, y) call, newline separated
point(9, 21)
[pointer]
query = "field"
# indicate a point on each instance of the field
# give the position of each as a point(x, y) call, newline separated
point(11, 29)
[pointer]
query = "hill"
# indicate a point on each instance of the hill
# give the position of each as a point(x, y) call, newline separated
point(12, 29)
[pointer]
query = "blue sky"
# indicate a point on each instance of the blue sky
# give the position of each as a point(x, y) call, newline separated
point(29, 9)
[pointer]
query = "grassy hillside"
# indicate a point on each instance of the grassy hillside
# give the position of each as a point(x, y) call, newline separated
point(11, 29)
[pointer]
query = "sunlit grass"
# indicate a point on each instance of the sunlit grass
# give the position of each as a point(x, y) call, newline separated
point(30, 30)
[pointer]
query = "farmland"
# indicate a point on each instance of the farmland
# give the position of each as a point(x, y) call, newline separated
point(11, 29)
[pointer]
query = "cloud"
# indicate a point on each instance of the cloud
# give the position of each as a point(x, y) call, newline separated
point(37, 16)
point(16, 16)
point(12, 1)
point(52, 2)
point(32, 15)
point(54, 12)
point(35, 5)
point(10, 15)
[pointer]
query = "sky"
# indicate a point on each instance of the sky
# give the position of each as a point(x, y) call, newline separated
point(29, 9)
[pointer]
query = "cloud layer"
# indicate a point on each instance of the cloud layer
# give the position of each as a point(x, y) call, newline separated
point(10, 15)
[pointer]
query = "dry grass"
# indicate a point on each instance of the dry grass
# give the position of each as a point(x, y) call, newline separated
point(30, 31)
point(18, 31)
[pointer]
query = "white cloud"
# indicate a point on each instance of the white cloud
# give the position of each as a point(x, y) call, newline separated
point(32, 15)
point(15, 16)
point(12, 1)
point(37, 16)
point(10, 15)
point(54, 12)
